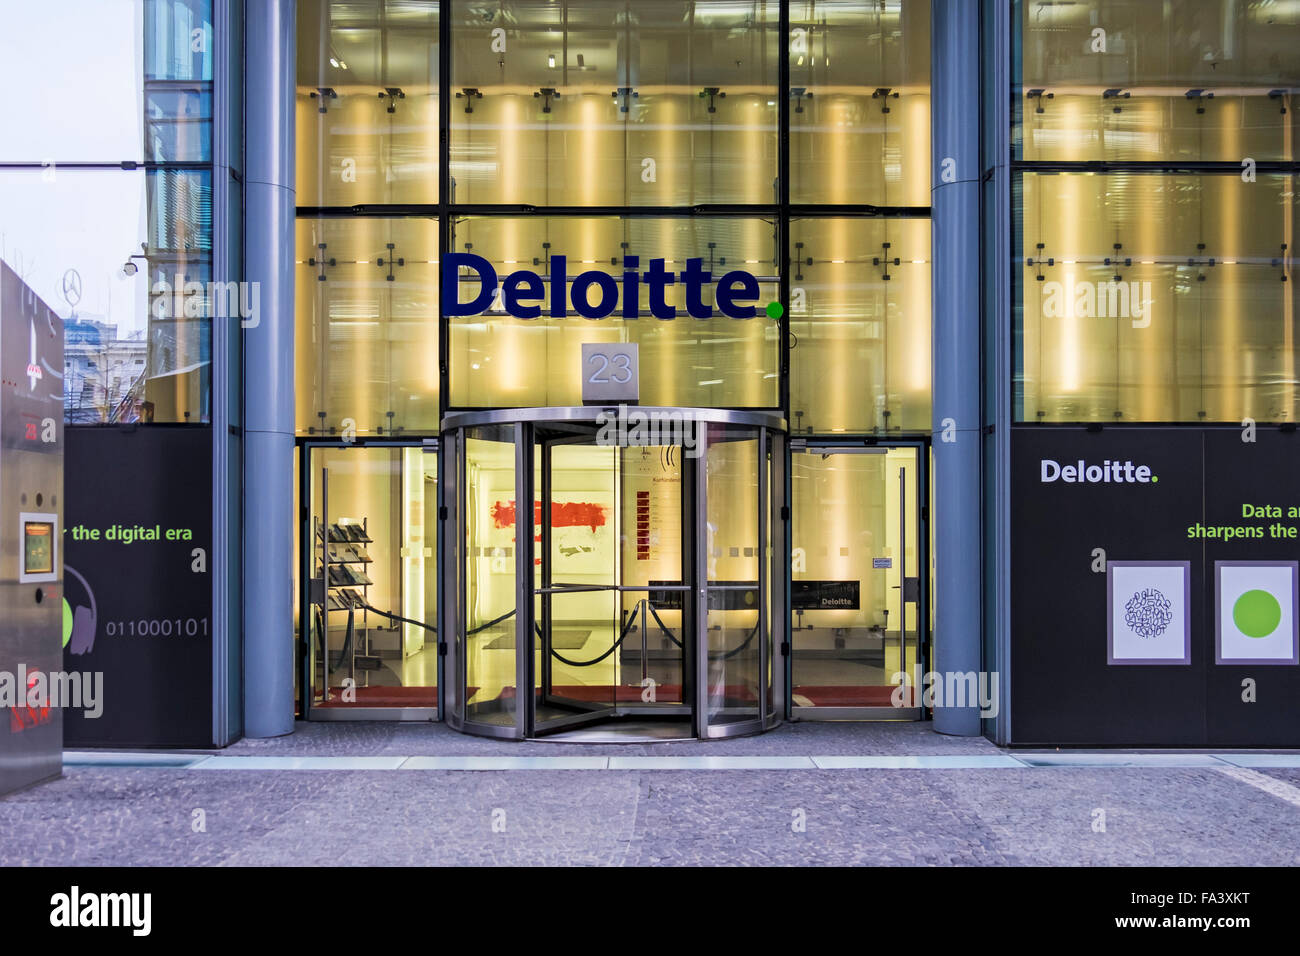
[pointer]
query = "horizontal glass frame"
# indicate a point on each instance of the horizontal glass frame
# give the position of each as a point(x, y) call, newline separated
point(367, 326)
point(860, 325)
point(367, 102)
point(1189, 80)
point(653, 102)
point(860, 102)
point(1155, 298)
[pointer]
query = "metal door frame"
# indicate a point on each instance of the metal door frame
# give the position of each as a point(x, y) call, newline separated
point(920, 494)
point(305, 650)
point(769, 427)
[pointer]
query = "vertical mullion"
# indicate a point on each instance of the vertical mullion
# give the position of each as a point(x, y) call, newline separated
point(442, 551)
point(783, 202)
point(444, 196)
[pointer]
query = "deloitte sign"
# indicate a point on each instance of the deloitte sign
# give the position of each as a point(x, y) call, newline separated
point(598, 295)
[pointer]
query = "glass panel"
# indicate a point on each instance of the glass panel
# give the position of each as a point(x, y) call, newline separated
point(374, 544)
point(500, 360)
point(367, 102)
point(765, 574)
point(848, 559)
point(133, 92)
point(1157, 298)
point(860, 315)
point(650, 555)
point(731, 553)
point(125, 259)
point(583, 626)
point(653, 102)
point(489, 514)
point(1135, 80)
point(367, 326)
point(860, 102)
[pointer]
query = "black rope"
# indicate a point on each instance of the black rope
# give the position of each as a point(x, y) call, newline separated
point(397, 617)
point(322, 642)
point(496, 620)
point(613, 647)
point(667, 633)
point(728, 655)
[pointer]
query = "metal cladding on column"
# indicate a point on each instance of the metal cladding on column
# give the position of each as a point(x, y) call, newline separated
point(955, 205)
point(269, 525)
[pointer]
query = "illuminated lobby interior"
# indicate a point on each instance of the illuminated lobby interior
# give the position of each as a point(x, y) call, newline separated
point(606, 130)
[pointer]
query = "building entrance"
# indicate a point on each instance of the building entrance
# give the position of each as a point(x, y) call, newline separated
point(640, 584)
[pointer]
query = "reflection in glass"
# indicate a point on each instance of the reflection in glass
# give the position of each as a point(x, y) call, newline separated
point(125, 259)
point(90, 81)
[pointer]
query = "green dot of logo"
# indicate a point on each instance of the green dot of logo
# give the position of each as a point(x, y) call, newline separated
point(1257, 613)
point(775, 310)
point(1155, 478)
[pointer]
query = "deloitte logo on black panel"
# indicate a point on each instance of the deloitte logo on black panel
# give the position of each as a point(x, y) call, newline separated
point(1107, 472)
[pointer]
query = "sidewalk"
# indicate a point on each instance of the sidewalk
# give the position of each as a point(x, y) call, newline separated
point(1186, 809)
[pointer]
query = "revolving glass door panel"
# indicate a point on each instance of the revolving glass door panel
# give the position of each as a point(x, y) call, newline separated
point(575, 595)
point(735, 640)
point(487, 632)
point(598, 576)
point(608, 596)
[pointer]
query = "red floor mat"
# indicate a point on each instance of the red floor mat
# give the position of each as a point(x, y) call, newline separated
point(829, 695)
point(601, 693)
point(387, 697)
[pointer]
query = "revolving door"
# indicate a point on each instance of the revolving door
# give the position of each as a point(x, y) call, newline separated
point(639, 585)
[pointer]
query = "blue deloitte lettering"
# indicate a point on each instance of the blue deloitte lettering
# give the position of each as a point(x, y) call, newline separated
point(523, 293)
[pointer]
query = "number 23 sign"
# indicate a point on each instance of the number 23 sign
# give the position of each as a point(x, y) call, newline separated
point(610, 372)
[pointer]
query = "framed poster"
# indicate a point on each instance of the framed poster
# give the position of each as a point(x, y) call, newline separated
point(1148, 619)
point(1255, 612)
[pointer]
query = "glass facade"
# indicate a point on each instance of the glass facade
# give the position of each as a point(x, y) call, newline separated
point(1155, 288)
point(108, 212)
point(611, 134)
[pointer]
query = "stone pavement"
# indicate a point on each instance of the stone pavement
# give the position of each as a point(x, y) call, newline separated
point(1176, 815)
